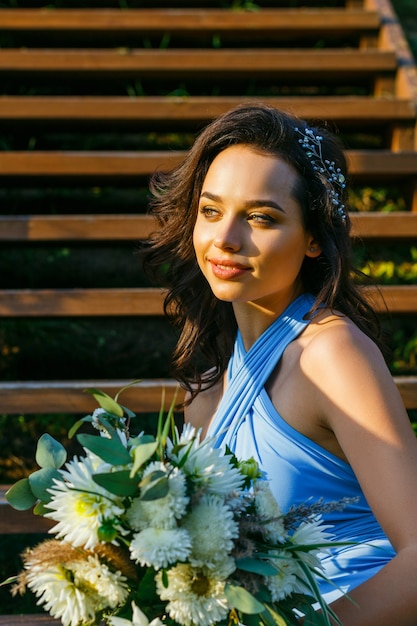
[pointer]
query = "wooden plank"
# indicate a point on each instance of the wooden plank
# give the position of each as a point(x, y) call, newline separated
point(146, 301)
point(80, 302)
point(379, 225)
point(145, 21)
point(128, 227)
point(76, 227)
point(393, 298)
point(119, 164)
point(407, 386)
point(87, 164)
point(186, 63)
point(197, 109)
point(13, 522)
point(69, 396)
point(28, 620)
point(26, 397)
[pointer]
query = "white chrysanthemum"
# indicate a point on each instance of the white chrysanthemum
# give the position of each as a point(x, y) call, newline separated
point(285, 581)
point(212, 529)
point(80, 506)
point(209, 468)
point(312, 534)
point(158, 547)
point(270, 513)
point(195, 597)
point(110, 586)
point(138, 619)
point(74, 592)
point(163, 512)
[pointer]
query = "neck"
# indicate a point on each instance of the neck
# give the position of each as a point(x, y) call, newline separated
point(253, 318)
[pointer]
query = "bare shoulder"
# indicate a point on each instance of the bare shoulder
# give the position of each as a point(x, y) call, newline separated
point(333, 340)
point(201, 410)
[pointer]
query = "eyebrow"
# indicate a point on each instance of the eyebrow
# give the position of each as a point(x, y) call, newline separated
point(248, 205)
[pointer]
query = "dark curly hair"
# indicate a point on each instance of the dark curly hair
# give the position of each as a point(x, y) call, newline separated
point(207, 325)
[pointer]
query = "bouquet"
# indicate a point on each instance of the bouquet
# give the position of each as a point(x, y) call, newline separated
point(165, 529)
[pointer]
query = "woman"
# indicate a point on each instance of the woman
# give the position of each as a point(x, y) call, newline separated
point(278, 349)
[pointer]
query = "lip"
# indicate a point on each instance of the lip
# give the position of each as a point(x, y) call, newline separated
point(227, 269)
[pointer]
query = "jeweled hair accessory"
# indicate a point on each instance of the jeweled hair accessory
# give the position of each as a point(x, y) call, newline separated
point(312, 145)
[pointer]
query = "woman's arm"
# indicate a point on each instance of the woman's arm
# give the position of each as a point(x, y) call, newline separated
point(360, 403)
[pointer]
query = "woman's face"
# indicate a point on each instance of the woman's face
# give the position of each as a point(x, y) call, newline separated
point(249, 237)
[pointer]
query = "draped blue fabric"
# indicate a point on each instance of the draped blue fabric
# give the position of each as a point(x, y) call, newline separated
point(299, 470)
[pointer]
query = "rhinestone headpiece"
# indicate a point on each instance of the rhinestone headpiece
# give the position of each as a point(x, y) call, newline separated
point(312, 145)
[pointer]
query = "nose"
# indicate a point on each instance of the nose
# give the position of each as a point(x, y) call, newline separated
point(228, 235)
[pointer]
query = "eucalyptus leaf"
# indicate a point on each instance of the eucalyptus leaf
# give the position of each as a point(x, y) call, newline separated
point(110, 450)
point(42, 480)
point(20, 496)
point(242, 600)
point(257, 566)
point(150, 478)
point(50, 453)
point(158, 489)
point(106, 402)
point(141, 454)
point(118, 483)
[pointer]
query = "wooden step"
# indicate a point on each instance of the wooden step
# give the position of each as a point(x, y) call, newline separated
point(183, 63)
point(80, 302)
point(194, 109)
point(127, 227)
point(68, 396)
point(363, 164)
point(177, 20)
point(40, 619)
point(121, 302)
point(27, 397)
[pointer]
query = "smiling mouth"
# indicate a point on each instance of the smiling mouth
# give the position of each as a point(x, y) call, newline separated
point(227, 269)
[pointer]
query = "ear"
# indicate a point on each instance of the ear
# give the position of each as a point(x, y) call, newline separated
point(313, 248)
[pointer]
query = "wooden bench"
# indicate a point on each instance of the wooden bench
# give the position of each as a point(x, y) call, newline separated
point(162, 70)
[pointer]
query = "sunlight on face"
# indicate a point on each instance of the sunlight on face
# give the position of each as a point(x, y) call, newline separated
point(249, 236)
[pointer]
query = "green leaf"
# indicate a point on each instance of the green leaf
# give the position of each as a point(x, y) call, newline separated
point(9, 581)
point(77, 426)
point(242, 600)
point(106, 402)
point(257, 566)
point(141, 453)
point(277, 619)
point(42, 480)
point(20, 496)
point(158, 489)
point(118, 483)
point(50, 453)
point(110, 450)
point(146, 593)
point(40, 509)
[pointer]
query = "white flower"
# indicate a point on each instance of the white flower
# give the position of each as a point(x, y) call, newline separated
point(212, 529)
point(209, 468)
point(285, 581)
point(158, 547)
point(163, 512)
point(312, 533)
point(74, 592)
point(195, 597)
point(270, 513)
point(138, 619)
point(80, 506)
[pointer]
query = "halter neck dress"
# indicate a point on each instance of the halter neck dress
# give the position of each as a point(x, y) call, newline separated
point(299, 470)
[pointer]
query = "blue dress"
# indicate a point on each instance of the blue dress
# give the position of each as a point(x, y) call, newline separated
point(298, 469)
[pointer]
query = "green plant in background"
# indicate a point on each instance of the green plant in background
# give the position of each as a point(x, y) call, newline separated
point(382, 199)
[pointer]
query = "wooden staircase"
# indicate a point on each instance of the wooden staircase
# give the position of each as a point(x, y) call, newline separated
point(128, 82)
